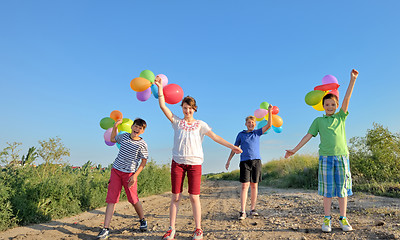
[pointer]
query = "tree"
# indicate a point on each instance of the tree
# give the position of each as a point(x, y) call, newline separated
point(10, 155)
point(30, 156)
point(376, 156)
point(52, 151)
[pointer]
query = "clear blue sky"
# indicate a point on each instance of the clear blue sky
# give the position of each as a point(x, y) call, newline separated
point(64, 65)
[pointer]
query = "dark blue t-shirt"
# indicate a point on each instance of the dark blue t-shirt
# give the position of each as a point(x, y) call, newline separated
point(249, 142)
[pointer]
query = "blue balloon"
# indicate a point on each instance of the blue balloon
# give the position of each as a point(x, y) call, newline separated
point(261, 124)
point(277, 129)
point(154, 90)
point(119, 145)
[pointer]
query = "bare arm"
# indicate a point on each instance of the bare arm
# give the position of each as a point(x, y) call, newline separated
point(269, 124)
point(133, 178)
point(161, 99)
point(223, 142)
point(114, 131)
point(229, 159)
point(302, 142)
point(346, 100)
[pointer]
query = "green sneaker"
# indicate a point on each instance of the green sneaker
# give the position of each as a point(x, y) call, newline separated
point(344, 224)
point(326, 226)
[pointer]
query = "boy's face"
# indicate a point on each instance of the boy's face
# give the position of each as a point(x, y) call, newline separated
point(136, 130)
point(250, 124)
point(330, 107)
point(187, 110)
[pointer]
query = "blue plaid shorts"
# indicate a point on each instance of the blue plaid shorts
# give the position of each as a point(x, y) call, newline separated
point(334, 177)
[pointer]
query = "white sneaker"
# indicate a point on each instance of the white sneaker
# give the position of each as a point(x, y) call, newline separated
point(344, 224)
point(242, 215)
point(326, 226)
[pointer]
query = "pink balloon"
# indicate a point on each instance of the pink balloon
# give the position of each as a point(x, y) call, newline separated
point(144, 95)
point(260, 113)
point(107, 135)
point(164, 79)
point(329, 79)
point(109, 143)
point(173, 93)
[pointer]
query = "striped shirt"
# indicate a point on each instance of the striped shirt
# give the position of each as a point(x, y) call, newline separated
point(130, 153)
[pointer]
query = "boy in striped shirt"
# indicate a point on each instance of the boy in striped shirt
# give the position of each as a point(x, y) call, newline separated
point(125, 171)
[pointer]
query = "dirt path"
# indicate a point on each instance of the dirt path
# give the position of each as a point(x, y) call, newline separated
point(285, 214)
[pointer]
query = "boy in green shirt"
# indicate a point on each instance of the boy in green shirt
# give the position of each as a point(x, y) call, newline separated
point(334, 177)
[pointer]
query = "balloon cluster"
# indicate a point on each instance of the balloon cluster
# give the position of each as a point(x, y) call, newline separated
point(144, 86)
point(107, 124)
point(261, 115)
point(329, 85)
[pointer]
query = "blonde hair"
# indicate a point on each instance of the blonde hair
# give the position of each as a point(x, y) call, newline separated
point(251, 118)
point(190, 101)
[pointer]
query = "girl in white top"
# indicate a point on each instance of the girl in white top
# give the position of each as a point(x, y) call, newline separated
point(187, 157)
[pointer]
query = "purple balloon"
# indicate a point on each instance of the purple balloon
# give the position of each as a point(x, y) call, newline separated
point(109, 143)
point(164, 79)
point(144, 95)
point(329, 79)
point(107, 135)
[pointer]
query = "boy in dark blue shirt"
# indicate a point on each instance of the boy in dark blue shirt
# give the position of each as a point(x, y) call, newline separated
point(250, 161)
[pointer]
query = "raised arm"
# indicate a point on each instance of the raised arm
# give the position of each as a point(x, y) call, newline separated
point(114, 130)
point(302, 142)
point(161, 99)
point(223, 142)
point(269, 124)
point(346, 100)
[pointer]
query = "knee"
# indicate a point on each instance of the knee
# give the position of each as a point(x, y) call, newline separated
point(175, 198)
point(194, 198)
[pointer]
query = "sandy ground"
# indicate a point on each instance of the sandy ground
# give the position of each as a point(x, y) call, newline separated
point(284, 214)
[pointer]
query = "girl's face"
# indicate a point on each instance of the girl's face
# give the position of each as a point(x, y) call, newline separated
point(250, 124)
point(187, 110)
point(330, 107)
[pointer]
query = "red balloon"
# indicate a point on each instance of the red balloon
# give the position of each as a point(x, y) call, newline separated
point(326, 87)
point(275, 110)
point(173, 93)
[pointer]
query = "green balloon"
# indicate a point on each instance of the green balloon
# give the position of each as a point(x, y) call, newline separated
point(314, 97)
point(149, 75)
point(264, 105)
point(107, 123)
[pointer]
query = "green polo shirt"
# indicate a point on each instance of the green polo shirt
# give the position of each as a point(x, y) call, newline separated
point(332, 134)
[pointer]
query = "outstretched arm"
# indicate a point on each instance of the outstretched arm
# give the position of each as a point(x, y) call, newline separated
point(223, 142)
point(346, 100)
point(269, 124)
point(302, 142)
point(161, 99)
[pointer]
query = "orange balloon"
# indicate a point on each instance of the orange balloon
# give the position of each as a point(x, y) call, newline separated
point(116, 115)
point(276, 120)
point(140, 84)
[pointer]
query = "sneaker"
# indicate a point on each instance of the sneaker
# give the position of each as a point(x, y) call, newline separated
point(198, 234)
point(104, 234)
point(143, 225)
point(254, 213)
point(326, 226)
point(344, 224)
point(242, 215)
point(170, 235)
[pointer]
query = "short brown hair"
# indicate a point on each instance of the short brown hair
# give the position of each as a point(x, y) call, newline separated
point(330, 96)
point(251, 117)
point(190, 101)
point(140, 122)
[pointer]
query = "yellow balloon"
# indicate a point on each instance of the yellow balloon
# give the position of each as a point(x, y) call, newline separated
point(266, 117)
point(319, 106)
point(276, 120)
point(125, 127)
point(259, 119)
point(140, 84)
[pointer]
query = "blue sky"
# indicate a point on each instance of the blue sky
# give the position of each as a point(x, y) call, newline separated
point(67, 64)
